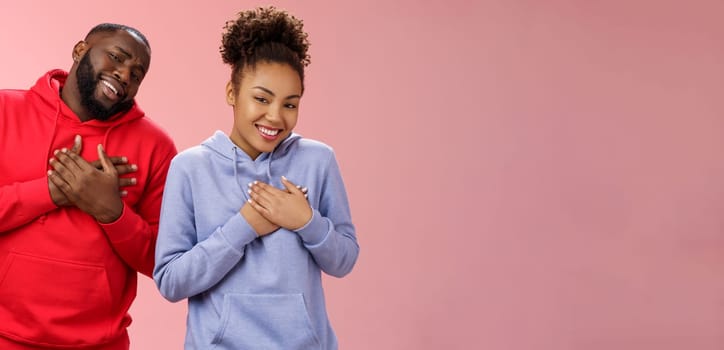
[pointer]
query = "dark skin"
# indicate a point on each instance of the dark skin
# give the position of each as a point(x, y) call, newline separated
point(120, 163)
point(119, 58)
point(120, 61)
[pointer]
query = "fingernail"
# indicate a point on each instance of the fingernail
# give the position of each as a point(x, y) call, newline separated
point(55, 153)
point(124, 159)
point(50, 172)
point(77, 138)
point(248, 191)
point(64, 150)
point(134, 167)
point(133, 181)
point(284, 177)
point(248, 201)
point(124, 193)
point(250, 183)
point(256, 182)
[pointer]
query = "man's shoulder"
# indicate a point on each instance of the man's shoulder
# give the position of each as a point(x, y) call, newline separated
point(146, 136)
point(146, 127)
point(11, 95)
point(20, 105)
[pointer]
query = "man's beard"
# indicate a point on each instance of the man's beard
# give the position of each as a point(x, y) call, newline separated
point(87, 84)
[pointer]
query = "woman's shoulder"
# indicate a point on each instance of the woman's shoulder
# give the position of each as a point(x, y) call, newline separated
point(313, 146)
point(192, 155)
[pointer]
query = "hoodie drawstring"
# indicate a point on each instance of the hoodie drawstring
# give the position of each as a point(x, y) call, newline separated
point(105, 136)
point(236, 173)
point(268, 168)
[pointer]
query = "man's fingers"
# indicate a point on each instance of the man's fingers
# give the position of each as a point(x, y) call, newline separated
point(77, 145)
point(61, 170)
point(65, 158)
point(127, 181)
point(105, 161)
point(116, 160)
point(59, 182)
point(76, 161)
point(124, 181)
point(119, 163)
point(126, 168)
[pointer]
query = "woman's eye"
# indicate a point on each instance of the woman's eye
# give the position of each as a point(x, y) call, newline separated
point(261, 99)
point(290, 106)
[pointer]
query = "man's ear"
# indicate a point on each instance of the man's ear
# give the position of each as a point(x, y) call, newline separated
point(230, 95)
point(79, 50)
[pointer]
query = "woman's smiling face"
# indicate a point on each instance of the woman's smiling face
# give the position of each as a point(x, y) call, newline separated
point(266, 106)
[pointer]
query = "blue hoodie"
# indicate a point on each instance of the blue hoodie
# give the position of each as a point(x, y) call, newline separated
point(244, 291)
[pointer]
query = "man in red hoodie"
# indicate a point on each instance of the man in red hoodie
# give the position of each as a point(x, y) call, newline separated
point(76, 225)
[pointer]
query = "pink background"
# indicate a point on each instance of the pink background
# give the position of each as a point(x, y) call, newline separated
point(523, 174)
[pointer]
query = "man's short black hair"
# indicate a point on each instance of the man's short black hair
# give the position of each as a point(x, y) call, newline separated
point(114, 27)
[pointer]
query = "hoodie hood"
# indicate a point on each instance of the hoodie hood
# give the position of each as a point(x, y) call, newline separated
point(48, 89)
point(222, 145)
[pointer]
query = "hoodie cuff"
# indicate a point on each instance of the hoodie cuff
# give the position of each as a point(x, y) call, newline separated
point(125, 227)
point(237, 232)
point(315, 231)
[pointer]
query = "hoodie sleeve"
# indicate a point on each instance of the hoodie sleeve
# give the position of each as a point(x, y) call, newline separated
point(330, 235)
point(133, 235)
point(184, 266)
point(22, 199)
point(23, 202)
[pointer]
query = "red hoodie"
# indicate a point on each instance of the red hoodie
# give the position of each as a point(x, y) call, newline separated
point(67, 281)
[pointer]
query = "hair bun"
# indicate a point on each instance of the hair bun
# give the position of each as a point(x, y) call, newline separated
point(261, 26)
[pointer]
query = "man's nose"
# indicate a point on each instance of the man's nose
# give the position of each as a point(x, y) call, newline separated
point(122, 73)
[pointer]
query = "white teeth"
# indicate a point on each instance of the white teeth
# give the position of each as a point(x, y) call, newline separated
point(269, 132)
point(110, 86)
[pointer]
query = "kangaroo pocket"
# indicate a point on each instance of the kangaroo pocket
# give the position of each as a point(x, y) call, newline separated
point(254, 321)
point(53, 302)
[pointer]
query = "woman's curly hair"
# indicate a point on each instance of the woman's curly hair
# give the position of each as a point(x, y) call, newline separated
point(264, 34)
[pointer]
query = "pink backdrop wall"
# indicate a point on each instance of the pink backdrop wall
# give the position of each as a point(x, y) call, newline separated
point(523, 174)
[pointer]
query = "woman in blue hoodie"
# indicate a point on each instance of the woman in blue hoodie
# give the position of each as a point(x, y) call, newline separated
point(237, 236)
